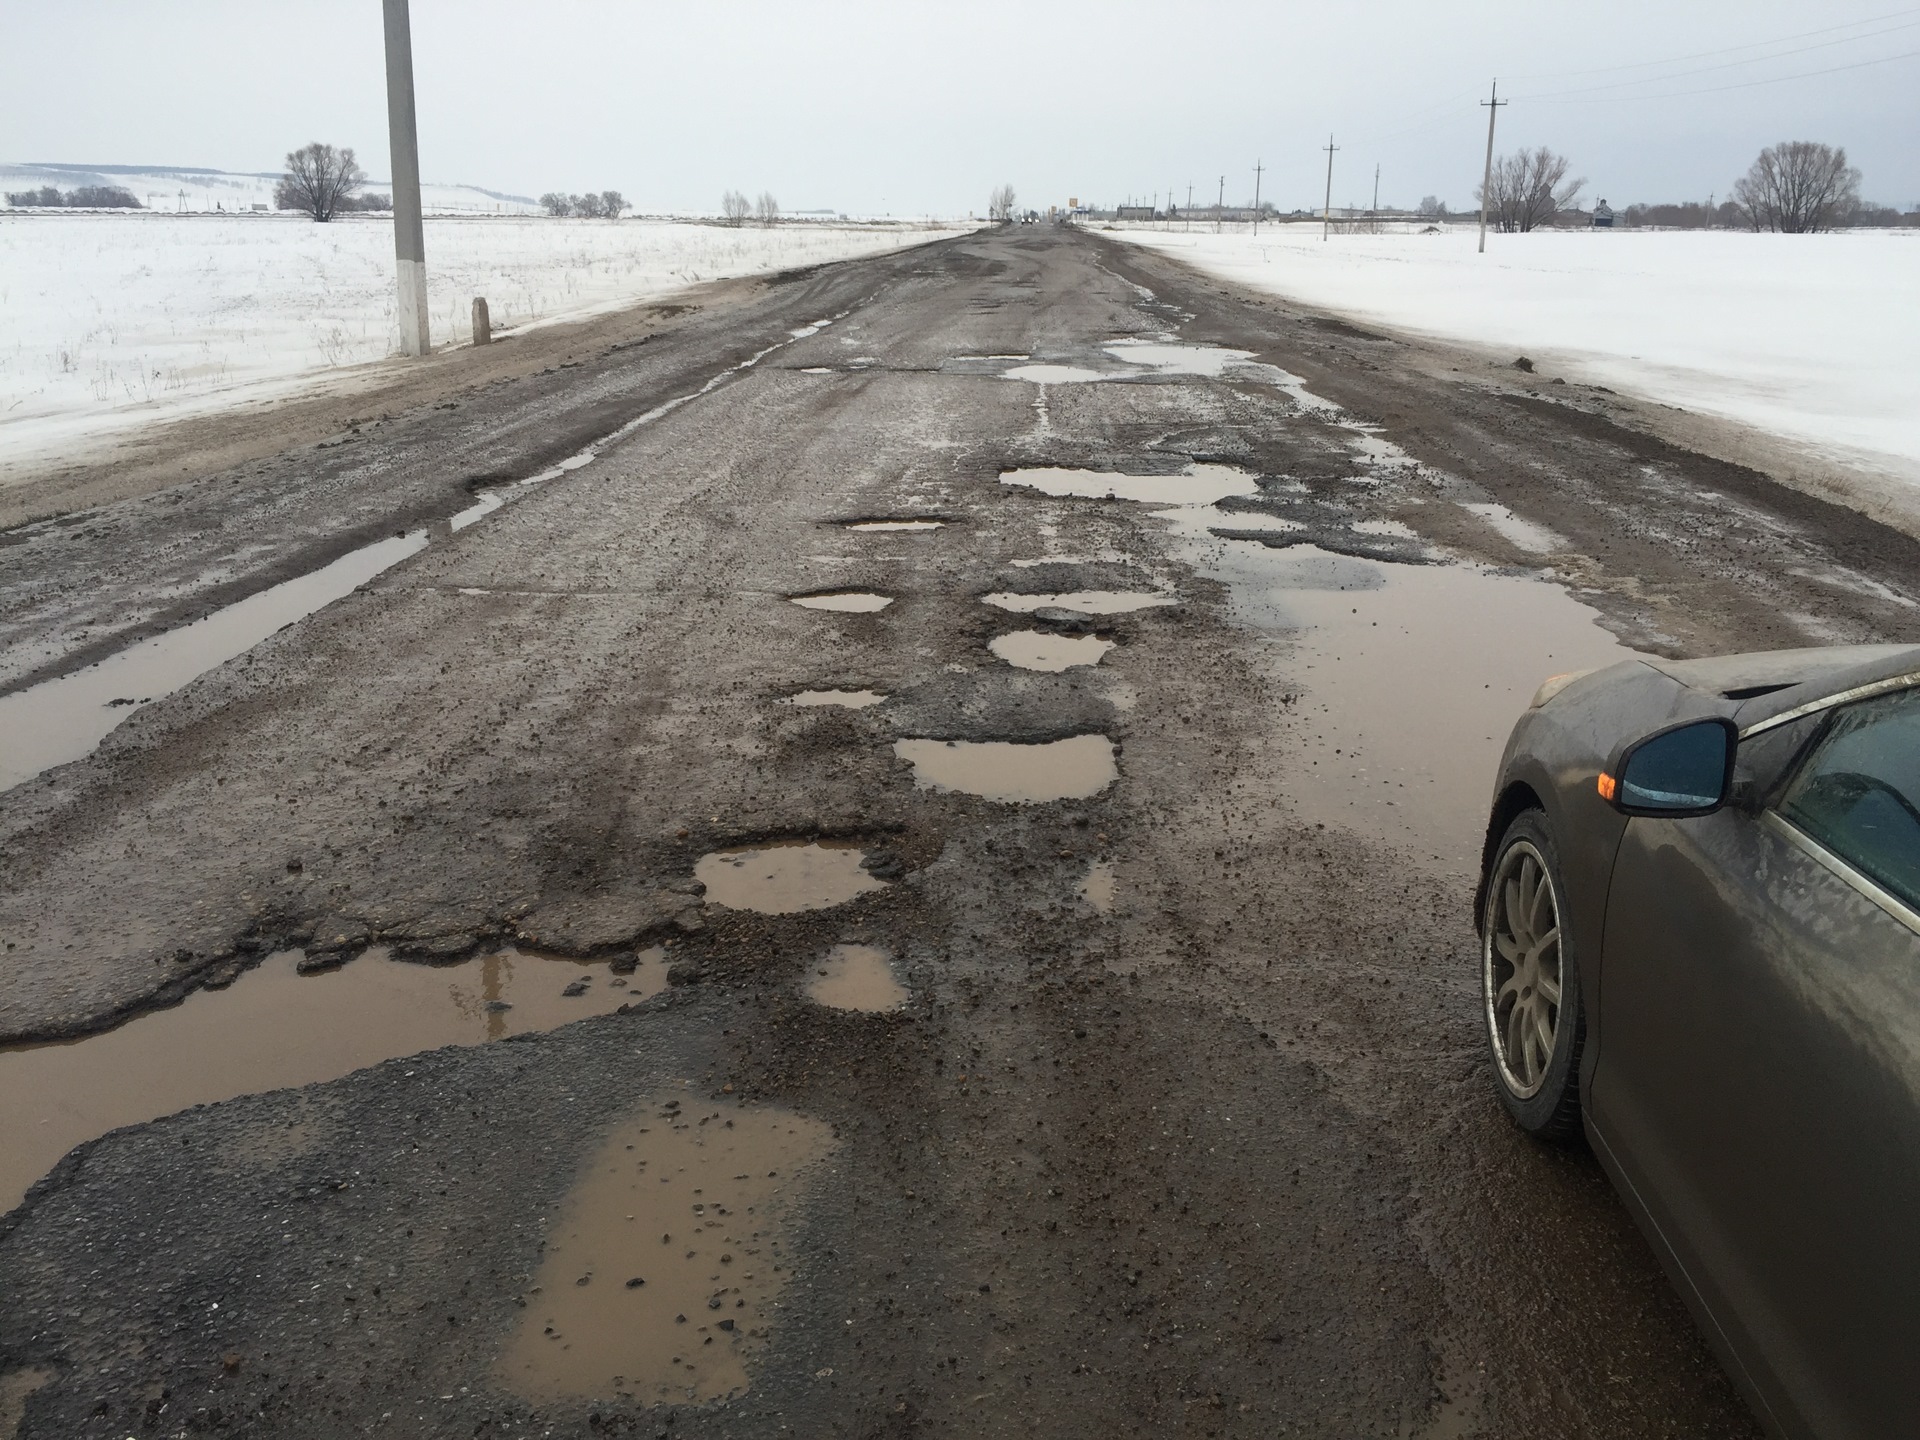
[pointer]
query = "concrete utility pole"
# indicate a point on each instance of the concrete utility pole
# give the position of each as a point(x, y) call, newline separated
point(1376, 189)
point(1486, 184)
point(409, 237)
point(1220, 205)
point(1326, 215)
point(1256, 197)
point(1189, 207)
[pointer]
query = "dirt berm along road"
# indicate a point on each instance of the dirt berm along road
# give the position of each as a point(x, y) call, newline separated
point(1079, 1040)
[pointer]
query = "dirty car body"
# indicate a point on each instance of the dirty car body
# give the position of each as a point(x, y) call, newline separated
point(1720, 859)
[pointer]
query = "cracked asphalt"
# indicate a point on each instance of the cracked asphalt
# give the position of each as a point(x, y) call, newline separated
point(1217, 1157)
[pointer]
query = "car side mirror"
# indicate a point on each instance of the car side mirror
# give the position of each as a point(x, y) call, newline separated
point(1686, 770)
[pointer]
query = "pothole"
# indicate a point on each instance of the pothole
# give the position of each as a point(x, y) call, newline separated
point(661, 1277)
point(274, 1028)
point(1169, 358)
point(1054, 374)
point(856, 977)
point(1076, 768)
point(784, 877)
point(1198, 484)
point(1084, 602)
point(1097, 888)
point(895, 524)
point(855, 602)
point(1038, 650)
point(849, 699)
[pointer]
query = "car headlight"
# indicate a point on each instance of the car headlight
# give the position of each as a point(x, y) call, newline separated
point(1553, 685)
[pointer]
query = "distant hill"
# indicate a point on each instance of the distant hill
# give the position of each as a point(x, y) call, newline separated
point(196, 189)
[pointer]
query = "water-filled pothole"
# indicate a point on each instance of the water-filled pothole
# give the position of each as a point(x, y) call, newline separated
point(1055, 374)
point(856, 977)
point(1084, 602)
point(784, 877)
point(889, 525)
point(1038, 650)
point(662, 1274)
point(1072, 769)
point(1097, 888)
point(274, 1028)
point(853, 602)
point(1198, 484)
point(848, 699)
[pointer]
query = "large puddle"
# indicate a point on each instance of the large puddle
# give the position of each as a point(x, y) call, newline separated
point(846, 699)
point(1198, 484)
point(274, 1028)
point(856, 977)
point(1082, 602)
point(1072, 769)
point(786, 877)
point(853, 602)
point(1038, 650)
point(662, 1273)
point(891, 525)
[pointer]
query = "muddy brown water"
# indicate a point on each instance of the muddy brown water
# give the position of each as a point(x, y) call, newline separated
point(663, 1269)
point(274, 1028)
point(853, 602)
point(856, 977)
point(1084, 602)
point(849, 699)
point(1097, 888)
point(1037, 650)
point(785, 877)
point(1072, 769)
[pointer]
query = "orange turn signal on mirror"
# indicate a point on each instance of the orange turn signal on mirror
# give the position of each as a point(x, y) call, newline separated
point(1608, 786)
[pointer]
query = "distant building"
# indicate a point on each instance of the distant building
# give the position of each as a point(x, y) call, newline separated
point(1136, 212)
point(1602, 216)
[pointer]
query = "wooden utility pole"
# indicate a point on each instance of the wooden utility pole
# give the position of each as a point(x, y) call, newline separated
point(1256, 197)
point(1326, 215)
point(409, 237)
point(1486, 184)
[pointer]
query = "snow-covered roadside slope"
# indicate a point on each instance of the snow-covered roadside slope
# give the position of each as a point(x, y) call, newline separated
point(110, 321)
point(1810, 338)
point(200, 191)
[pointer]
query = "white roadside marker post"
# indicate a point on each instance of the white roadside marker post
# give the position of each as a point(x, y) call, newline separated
point(482, 325)
point(409, 236)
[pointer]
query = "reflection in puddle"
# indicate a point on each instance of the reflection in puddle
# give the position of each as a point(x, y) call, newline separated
point(1070, 769)
point(855, 602)
point(1054, 374)
point(896, 525)
point(1524, 534)
point(664, 1269)
point(1097, 888)
point(274, 1028)
point(60, 720)
point(1198, 484)
point(785, 877)
point(850, 699)
point(1174, 359)
point(856, 977)
point(1083, 602)
point(1037, 650)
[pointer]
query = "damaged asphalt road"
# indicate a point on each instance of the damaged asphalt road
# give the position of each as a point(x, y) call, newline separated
point(1181, 1126)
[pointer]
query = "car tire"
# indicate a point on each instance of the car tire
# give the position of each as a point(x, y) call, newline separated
point(1533, 1010)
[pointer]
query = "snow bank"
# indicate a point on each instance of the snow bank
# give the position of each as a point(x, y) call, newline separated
point(111, 321)
point(1808, 337)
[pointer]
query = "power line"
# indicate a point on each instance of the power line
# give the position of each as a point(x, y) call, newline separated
point(1724, 50)
point(1724, 65)
point(1576, 99)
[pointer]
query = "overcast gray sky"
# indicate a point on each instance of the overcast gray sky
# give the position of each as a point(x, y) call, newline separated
point(916, 106)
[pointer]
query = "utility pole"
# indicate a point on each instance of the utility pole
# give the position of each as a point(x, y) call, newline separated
point(1376, 189)
point(1220, 205)
point(1486, 184)
point(1256, 197)
point(1326, 215)
point(1189, 207)
point(409, 237)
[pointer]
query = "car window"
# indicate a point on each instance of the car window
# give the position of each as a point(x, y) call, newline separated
point(1858, 792)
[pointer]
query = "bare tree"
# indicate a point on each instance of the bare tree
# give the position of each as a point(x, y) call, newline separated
point(612, 202)
point(556, 203)
point(587, 207)
point(766, 209)
point(1432, 207)
point(1530, 187)
point(734, 206)
point(1000, 203)
point(318, 179)
point(1798, 187)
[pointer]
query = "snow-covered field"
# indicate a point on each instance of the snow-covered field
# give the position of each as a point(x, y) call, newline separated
point(1809, 337)
point(110, 321)
point(194, 191)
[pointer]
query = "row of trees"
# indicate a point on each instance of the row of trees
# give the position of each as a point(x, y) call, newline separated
point(93, 197)
point(606, 205)
point(737, 208)
point(1796, 187)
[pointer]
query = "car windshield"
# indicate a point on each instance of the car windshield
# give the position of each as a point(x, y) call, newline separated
point(1858, 793)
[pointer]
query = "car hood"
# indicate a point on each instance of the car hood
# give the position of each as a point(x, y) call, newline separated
point(1766, 683)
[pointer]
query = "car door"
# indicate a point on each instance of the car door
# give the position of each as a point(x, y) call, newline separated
point(1758, 1082)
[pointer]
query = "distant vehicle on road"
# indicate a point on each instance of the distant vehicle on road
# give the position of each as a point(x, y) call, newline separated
point(1699, 911)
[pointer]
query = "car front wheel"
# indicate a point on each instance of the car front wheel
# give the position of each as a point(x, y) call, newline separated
point(1531, 984)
